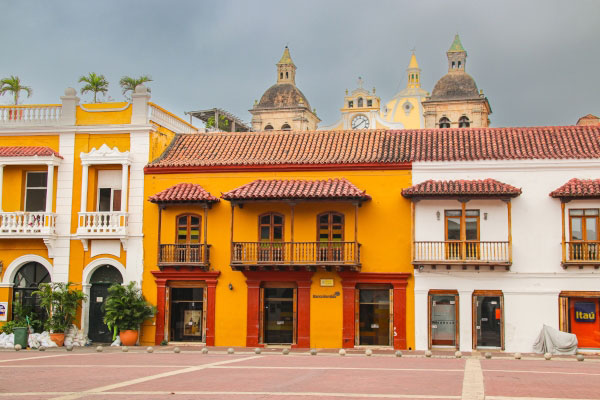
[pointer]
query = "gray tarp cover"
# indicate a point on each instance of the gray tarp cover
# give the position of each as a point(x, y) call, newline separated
point(554, 341)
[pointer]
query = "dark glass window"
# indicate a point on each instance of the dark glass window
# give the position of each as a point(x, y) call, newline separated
point(271, 227)
point(35, 194)
point(26, 282)
point(188, 228)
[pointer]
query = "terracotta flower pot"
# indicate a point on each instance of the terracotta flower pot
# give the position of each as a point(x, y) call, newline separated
point(58, 338)
point(128, 337)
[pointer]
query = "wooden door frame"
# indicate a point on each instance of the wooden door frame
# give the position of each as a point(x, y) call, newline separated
point(444, 292)
point(486, 293)
point(185, 284)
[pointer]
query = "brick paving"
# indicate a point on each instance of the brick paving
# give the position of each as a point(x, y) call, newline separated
point(112, 374)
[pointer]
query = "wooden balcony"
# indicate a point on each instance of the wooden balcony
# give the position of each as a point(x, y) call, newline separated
point(336, 256)
point(462, 253)
point(580, 254)
point(184, 255)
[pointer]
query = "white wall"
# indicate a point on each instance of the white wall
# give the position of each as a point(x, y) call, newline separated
point(536, 277)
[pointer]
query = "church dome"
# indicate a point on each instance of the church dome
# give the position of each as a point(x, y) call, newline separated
point(455, 86)
point(283, 95)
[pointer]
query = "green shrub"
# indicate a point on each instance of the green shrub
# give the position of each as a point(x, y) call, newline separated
point(60, 303)
point(126, 308)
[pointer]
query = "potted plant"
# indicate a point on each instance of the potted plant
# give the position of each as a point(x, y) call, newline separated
point(124, 310)
point(60, 302)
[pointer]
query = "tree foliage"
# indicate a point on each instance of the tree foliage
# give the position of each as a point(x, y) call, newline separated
point(128, 84)
point(14, 86)
point(60, 302)
point(94, 83)
point(126, 308)
point(223, 123)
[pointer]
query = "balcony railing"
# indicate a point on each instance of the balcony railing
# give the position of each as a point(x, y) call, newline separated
point(176, 255)
point(582, 252)
point(47, 114)
point(169, 120)
point(462, 252)
point(301, 254)
point(27, 223)
point(102, 223)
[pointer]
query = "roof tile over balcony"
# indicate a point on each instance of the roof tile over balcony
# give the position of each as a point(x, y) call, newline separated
point(487, 188)
point(297, 189)
point(23, 151)
point(578, 188)
point(184, 193)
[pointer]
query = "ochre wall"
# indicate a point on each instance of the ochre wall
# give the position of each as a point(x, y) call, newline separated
point(383, 231)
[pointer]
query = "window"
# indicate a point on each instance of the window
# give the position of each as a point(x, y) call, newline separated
point(453, 65)
point(188, 228)
point(35, 191)
point(350, 104)
point(286, 127)
point(453, 234)
point(330, 226)
point(26, 282)
point(286, 75)
point(268, 127)
point(459, 64)
point(443, 321)
point(281, 75)
point(270, 232)
point(464, 122)
point(109, 199)
point(369, 103)
point(360, 102)
point(444, 122)
point(583, 234)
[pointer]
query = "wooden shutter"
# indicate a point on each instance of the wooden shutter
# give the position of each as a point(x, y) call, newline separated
point(116, 202)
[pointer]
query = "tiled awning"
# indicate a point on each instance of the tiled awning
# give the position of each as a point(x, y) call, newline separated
point(578, 189)
point(486, 188)
point(183, 193)
point(27, 151)
point(297, 189)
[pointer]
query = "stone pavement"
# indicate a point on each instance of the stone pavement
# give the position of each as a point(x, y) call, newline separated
point(163, 374)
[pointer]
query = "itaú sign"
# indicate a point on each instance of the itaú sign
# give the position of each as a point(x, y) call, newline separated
point(585, 312)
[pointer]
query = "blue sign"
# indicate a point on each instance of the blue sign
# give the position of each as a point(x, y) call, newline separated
point(585, 312)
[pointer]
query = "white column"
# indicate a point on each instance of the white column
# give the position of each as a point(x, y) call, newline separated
point(124, 186)
point(1, 180)
point(50, 188)
point(465, 315)
point(84, 187)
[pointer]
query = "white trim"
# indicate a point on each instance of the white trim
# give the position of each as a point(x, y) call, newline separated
point(11, 271)
point(87, 129)
point(505, 165)
point(93, 265)
point(31, 160)
point(105, 155)
point(93, 110)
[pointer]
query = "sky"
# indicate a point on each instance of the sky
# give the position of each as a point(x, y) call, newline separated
point(537, 61)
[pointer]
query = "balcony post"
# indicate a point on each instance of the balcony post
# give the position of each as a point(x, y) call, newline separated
point(1, 182)
point(84, 187)
point(564, 249)
point(160, 207)
point(412, 230)
point(124, 186)
point(292, 205)
point(50, 188)
point(356, 260)
point(463, 229)
point(231, 232)
point(205, 250)
point(509, 212)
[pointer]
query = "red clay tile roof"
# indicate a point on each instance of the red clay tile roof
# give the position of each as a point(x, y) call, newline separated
point(459, 188)
point(183, 193)
point(578, 188)
point(297, 189)
point(377, 147)
point(27, 151)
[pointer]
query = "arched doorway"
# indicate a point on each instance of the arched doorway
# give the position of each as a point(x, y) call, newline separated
point(27, 279)
point(102, 278)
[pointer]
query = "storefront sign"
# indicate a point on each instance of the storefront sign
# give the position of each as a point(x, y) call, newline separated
point(585, 312)
point(326, 296)
point(327, 282)
point(3, 311)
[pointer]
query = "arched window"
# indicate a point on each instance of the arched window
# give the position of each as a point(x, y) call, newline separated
point(188, 229)
point(444, 122)
point(27, 280)
point(286, 75)
point(350, 104)
point(281, 75)
point(286, 127)
point(459, 64)
point(369, 103)
point(330, 234)
point(106, 274)
point(270, 233)
point(453, 65)
point(464, 122)
point(360, 102)
point(268, 127)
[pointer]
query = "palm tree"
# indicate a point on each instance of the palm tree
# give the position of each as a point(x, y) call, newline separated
point(94, 83)
point(128, 84)
point(13, 85)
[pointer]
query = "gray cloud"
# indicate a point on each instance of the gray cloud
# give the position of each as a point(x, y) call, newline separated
point(536, 61)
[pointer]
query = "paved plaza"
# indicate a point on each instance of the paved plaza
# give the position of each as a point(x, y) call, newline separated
point(163, 374)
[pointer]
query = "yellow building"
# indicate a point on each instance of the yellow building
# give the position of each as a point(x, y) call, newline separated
point(362, 108)
point(72, 193)
point(279, 238)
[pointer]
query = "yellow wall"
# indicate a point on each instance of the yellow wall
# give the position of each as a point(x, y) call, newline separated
point(383, 231)
point(410, 121)
point(111, 114)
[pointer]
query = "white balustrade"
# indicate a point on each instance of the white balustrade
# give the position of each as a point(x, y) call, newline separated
point(27, 223)
point(102, 223)
point(170, 121)
point(30, 115)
